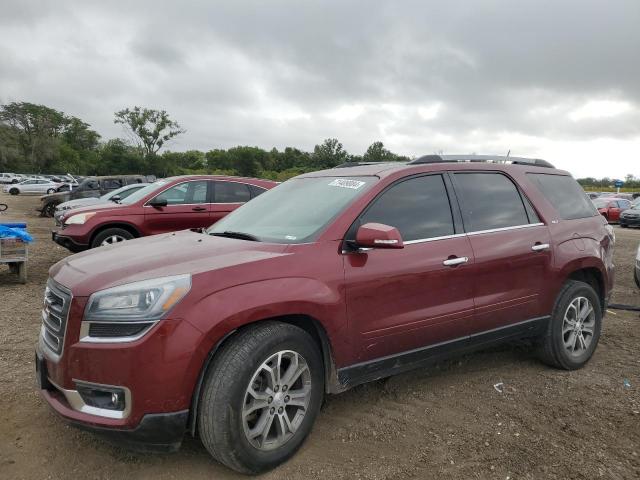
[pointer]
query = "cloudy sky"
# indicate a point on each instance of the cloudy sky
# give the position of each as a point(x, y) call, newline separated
point(558, 80)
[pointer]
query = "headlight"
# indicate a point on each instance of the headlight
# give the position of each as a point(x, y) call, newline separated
point(148, 300)
point(79, 219)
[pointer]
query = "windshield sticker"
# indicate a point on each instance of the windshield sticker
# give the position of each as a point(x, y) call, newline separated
point(290, 237)
point(344, 183)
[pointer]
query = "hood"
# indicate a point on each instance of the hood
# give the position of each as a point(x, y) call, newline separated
point(109, 205)
point(58, 197)
point(81, 202)
point(157, 256)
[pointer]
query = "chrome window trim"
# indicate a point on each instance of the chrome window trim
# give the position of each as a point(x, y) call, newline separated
point(476, 232)
point(77, 403)
point(85, 337)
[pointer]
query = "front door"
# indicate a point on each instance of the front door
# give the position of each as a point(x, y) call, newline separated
point(511, 248)
point(187, 207)
point(421, 295)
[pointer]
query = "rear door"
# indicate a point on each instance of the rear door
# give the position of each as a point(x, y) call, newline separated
point(187, 207)
point(511, 247)
point(406, 299)
point(227, 196)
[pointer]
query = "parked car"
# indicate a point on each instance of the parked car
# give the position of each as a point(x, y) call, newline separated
point(92, 187)
point(6, 178)
point(636, 271)
point(327, 281)
point(32, 186)
point(630, 217)
point(113, 196)
point(167, 205)
point(611, 207)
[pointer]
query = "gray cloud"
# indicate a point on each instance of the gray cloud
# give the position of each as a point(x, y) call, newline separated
point(537, 77)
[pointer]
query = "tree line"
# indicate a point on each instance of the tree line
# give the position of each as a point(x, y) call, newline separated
point(39, 139)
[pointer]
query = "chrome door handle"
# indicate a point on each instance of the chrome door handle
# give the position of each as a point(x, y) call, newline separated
point(452, 262)
point(538, 247)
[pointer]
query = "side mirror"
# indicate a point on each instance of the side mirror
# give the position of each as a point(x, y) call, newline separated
point(115, 198)
point(378, 235)
point(158, 202)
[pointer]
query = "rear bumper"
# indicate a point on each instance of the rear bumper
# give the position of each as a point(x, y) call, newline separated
point(68, 242)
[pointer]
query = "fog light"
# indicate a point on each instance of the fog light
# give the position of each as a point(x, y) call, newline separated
point(98, 396)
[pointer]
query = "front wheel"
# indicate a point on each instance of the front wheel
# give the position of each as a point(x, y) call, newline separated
point(574, 327)
point(49, 209)
point(14, 191)
point(51, 190)
point(261, 396)
point(111, 236)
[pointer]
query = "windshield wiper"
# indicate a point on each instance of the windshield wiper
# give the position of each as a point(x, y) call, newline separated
point(239, 235)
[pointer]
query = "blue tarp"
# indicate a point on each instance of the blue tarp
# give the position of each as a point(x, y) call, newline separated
point(15, 230)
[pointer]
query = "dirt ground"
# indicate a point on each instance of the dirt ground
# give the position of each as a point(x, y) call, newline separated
point(445, 423)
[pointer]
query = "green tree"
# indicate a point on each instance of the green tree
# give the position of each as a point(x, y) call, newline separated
point(150, 129)
point(328, 154)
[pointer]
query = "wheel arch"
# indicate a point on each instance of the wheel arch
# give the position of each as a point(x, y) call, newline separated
point(124, 225)
point(307, 323)
point(593, 277)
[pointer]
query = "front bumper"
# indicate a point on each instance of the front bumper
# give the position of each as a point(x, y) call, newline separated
point(68, 242)
point(630, 222)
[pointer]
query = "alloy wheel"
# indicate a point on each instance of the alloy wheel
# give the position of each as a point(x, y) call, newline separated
point(112, 239)
point(578, 326)
point(276, 400)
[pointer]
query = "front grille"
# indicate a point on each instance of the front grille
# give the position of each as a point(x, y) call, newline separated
point(54, 317)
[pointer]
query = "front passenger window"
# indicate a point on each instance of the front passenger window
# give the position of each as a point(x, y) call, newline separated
point(418, 207)
point(185, 193)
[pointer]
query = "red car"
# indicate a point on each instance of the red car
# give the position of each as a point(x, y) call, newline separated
point(167, 205)
point(329, 280)
point(611, 207)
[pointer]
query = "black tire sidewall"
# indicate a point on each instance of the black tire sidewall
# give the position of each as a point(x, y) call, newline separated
point(575, 290)
point(14, 191)
point(98, 239)
point(49, 209)
point(254, 460)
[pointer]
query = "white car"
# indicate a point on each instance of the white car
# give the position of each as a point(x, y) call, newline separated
point(32, 186)
point(9, 178)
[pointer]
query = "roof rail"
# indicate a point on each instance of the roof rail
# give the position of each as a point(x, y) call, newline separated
point(532, 162)
point(360, 164)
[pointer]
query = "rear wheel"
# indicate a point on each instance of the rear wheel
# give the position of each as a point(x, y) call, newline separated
point(574, 328)
point(261, 396)
point(111, 236)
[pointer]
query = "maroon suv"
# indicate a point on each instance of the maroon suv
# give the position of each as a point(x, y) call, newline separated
point(329, 280)
point(167, 205)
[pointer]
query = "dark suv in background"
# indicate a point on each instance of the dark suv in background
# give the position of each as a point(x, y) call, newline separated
point(330, 280)
point(91, 187)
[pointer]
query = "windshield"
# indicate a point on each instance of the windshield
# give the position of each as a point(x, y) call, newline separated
point(143, 192)
point(295, 211)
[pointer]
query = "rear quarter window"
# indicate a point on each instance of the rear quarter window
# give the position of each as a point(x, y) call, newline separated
point(565, 194)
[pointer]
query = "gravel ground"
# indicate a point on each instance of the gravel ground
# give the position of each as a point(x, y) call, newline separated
point(446, 423)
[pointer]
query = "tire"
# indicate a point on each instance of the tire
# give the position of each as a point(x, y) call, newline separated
point(14, 191)
point(635, 277)
point(553, 349)
point(225, 396)
point(49, 210)
point(111, 236)
point(50, 191)
point(624, 225)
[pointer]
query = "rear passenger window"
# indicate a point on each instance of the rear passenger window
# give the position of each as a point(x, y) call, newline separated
point(490, 200)
point(231, 192)
point(419, 208)
point(564, 193)
point(255, 191)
